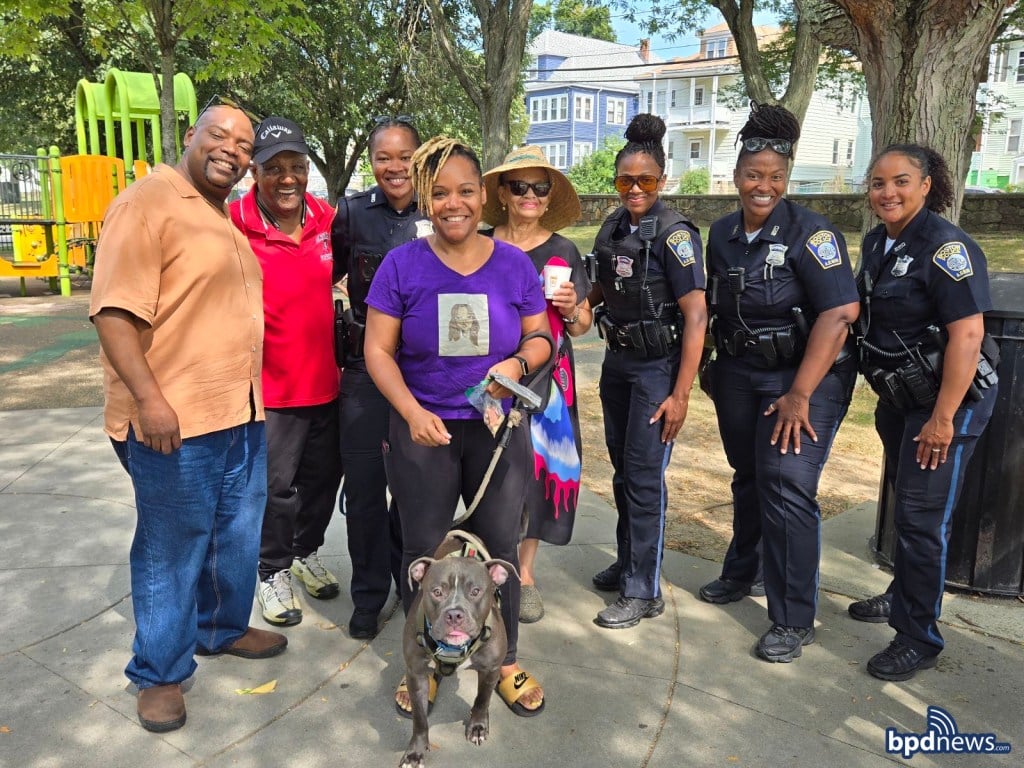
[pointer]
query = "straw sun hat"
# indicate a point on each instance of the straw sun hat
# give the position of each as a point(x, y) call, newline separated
point(563, 202)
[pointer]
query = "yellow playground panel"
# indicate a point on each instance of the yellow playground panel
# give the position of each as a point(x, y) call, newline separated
point(51, 209)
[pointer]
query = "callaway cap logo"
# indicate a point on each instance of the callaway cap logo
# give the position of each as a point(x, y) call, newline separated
point(275, 130)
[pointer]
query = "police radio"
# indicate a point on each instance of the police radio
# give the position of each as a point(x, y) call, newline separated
point(647, 229)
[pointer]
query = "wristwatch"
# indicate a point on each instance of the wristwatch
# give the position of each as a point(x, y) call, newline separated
point(522, 363)
point(575, 317)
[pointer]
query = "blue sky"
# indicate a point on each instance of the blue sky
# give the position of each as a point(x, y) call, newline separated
point(681, 45)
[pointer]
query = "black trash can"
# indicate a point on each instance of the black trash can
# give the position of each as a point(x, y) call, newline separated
point(986, 545)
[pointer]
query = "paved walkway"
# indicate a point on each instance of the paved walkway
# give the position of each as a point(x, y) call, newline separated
point(681, 690)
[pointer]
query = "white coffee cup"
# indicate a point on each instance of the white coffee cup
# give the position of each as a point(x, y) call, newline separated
point(554, 276)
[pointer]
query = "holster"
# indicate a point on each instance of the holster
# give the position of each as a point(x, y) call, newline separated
point(348, 335)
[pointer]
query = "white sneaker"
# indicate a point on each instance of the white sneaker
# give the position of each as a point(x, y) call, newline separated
point(280, 607)
point(320, 583)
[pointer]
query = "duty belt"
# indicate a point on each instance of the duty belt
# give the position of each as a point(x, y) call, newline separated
point(650, 338)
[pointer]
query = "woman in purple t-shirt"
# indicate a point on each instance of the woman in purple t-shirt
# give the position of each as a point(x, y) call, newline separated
point(444, 312)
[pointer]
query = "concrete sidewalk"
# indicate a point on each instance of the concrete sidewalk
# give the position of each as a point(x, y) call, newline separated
point(681, 690)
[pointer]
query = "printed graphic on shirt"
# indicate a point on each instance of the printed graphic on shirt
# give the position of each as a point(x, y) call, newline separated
point(823, 247)
point(953, 259)
point(424, 227)
point(463, 325)
point(682, 247)
point(623, 266)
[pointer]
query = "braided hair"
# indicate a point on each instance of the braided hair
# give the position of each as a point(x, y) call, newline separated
point(769, 121)
point(428, 160)
point(930, 163)
point(644, 135)
point(383, 123)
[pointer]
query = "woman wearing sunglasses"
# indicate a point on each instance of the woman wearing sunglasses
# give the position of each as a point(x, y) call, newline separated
point(781, 295)
point(528, 200)
point(366, 227)
point(649, 308)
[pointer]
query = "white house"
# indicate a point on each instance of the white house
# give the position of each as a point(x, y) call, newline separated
point(998, 159)
point(691, 95)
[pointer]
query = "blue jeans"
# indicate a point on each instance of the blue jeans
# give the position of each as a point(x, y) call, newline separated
point(196, 547)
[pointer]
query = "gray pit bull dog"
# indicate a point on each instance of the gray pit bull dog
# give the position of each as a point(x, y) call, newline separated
point(454, 618)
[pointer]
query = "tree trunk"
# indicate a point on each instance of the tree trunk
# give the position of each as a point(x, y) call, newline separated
point(168, 119)
point(922, 64)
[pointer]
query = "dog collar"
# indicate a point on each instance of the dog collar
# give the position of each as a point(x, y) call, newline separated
point(448, 657)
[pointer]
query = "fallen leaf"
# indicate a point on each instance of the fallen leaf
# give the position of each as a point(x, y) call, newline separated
point(326, 625)
point(265, 688)
point(4, 729)
point(732, 759)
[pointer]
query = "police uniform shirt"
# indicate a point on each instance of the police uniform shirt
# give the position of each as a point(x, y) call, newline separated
point(677, 254)
point(798, 259)
point(367, 225)
point(934, 274)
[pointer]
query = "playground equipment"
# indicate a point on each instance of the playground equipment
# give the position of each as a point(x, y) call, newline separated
point(51, 207)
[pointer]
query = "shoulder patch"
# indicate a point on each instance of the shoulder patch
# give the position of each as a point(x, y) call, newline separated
point(824, 248)
point(953, 259)
point(681, 245)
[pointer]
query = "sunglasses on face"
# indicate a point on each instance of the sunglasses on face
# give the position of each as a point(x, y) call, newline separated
point(647, 183)
point(519, 188)
point(224, 101)
point(759, 144)
point(392, 119)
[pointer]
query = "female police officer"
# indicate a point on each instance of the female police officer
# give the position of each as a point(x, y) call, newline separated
point(781, 295)
point(366, 227)
point(650, 280)
point(924, 286)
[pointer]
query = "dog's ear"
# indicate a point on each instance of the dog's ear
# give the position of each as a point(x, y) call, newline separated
point(500, 570)
point(418, 569)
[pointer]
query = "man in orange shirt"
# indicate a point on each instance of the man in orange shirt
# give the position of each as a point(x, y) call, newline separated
point(178, 307)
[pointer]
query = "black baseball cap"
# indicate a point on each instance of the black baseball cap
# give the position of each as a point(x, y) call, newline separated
point(277, 134)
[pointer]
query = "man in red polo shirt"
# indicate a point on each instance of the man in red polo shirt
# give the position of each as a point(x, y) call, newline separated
point(290, 232)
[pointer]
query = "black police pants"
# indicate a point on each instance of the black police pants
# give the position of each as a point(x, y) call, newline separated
point(303, 474)
point(925, 500)
point(427, 483)
point(374, 532)
point(632, 389)
point(775, 494)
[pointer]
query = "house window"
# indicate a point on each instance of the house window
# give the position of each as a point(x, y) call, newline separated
point(583, 109)
point(555, 153)
point(835, 152)
point(1020, 66)
point(672, 100)
point(1013, 136)
point(715, 49)
point(549, 109)
point(616, 114)
point(698, 96)
point(721, 48)
point(581, 150)
point(849, 152)
point(695, 147)
point(661, 102)
point(650, 101)
point(671, 150)
point(1000, 62)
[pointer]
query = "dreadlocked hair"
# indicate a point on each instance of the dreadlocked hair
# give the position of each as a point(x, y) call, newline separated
point(644, 134)
point(929, 163)
point(428, 160)
point(769, 121)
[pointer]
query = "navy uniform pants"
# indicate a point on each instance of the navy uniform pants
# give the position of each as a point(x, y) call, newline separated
point(374, 532)
point(632, 389)
point(925, 500)
point(303, 474)
point(775, 495)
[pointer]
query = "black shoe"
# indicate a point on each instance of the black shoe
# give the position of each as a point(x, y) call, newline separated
point(875, 609)
point(756, 589)
point(783, 644)
point(726, 591)
point(363, 625)
point(609, 579)
point(899, 662)
point(627, 612)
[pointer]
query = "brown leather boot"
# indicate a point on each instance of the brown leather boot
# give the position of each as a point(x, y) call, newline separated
point(254, 644)
point(161, 708)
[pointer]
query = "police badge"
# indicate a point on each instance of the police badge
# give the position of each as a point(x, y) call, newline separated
point(623, 266)
point(776, 254)
point(899, 269)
